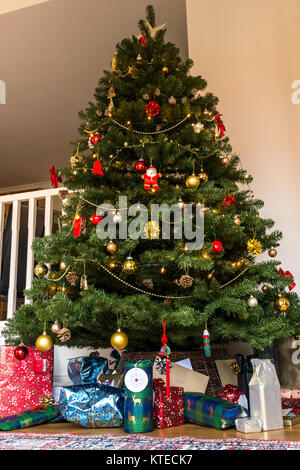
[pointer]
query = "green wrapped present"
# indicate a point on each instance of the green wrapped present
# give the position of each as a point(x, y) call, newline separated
point(30, 417)
point(210, 411)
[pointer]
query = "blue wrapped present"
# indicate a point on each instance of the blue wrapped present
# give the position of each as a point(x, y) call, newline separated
point(210, 411)
point(86, 369)
point(92, 405)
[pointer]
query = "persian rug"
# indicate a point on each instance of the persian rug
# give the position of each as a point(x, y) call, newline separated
point(70, 441)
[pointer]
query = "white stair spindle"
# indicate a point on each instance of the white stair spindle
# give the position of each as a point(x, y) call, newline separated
point(48, 215)
point(31, 235)
point(13, 274)
point(2, 207)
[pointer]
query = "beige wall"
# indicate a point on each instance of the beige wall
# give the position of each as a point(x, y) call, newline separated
point(249, 53)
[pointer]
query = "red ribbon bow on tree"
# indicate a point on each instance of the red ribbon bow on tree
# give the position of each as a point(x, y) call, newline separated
point(288, 274)
point(54, 178)
point(221, 127)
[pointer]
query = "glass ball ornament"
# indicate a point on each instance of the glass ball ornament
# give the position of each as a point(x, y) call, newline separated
point(40, 270)
point(21, 352)
point(117, 218)
point(129, 266)
point(225, 161)
point(252, 301)
point(217, 246)
point(236, 220)
point(203, 177)
point(62, 266)
point(55, 327)
point(152, 108)
point(193, 181)
point(111, 247)
point(119, 340)
point(282, 303)
point(165, 69)
point(272, 252)
point(44, 342)
point(265, 288)
point(140, 166)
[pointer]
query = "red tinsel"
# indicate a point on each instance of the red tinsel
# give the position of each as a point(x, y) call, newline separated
point(230, 393)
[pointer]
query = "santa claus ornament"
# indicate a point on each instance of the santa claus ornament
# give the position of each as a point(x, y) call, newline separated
point(150, 178)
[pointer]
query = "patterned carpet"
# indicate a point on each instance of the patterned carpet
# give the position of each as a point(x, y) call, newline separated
point(32, 441)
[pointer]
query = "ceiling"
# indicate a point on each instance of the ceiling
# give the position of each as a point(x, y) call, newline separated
point(55, 52)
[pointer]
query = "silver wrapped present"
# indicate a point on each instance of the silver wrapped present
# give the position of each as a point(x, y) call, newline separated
point(264, 394)
point(248, 425)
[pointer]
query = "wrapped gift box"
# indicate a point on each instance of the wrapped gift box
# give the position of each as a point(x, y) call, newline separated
point(85, 369)
point(210, 411)
point(24, 382)
point(168, 411)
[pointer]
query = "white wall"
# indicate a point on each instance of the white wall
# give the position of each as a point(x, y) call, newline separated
point(248, 51)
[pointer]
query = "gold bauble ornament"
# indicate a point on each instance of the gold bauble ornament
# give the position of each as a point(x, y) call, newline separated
point(236, 220)
point(265, 288)
point(254, 246)
point(272, 252)
point(62, 266)
point(119, 340)
point(130, 265)
point(111, 247)
point(62, 289)
point(44, 342)
point(52, 290)
point(193, 181)
point(55, 327)
point(40, 270)
point(203, 176)
point(112, 264)
point(225, 161)
point(165, 69)
point(282, 303)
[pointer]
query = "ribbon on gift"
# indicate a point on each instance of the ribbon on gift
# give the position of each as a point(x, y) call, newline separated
point(158, 383)
point(230, 393)
point(220, 125)
point(55, 179)
point(288, 274)
point(166, 351)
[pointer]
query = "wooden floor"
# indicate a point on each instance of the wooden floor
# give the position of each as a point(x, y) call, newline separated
point(288, 434)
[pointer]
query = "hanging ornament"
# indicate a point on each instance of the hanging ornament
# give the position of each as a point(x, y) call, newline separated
point(40, 270)
point(152, 108)
point(186, 281)
point(165, 351)
point(52, 290)
point(236, 220)
point(198, 127)
point(55, 179)
point(252, 301)
point(84, 282)
point(55, 327)
point(62, 266)
point(63, 288)
point(119, 340)
point(77, 225)
point(140, 166)
point(143, 41)
point(206, 341)
point(193, 181)
point(150, 178)
point(64, 335)
point(117, 218)
point(203, 177)
point(94, 139)
point(72, 278)
point(148, 283)
point(288, 275)
point(172, 100)
point(265, 288)
point(229, 201)
point(111, 247)
point(129, 266)
point(225, 161)
point(196, 94)
point(217, 246)
point(44, 342)
point(165, 69)
point(254, 246)
point(180, 204)
point(282, 303)
point(157, 92)
point(21, 352)
point(272, 252)
point(96, 219)
point(161, 364)
point(151, 230)
point(97, 169)
point(139, 58)
point(220, 126)
point(146, 96)
point(114, 62)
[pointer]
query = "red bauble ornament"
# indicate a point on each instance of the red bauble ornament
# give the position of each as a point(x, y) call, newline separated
point(152, 108)
point(142, 41)
point(94, 139)
point(140, 166)
point(217, 246)
point(96, 218)
point(229, 200)
point(21, 352)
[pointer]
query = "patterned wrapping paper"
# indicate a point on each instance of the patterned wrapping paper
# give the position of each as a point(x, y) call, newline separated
point(247, 425)
point(138, 414)
point(93, 405)
point(86, 369)
point(30, 417)
point(24, 382)
point(210, 411)
point(167, 411)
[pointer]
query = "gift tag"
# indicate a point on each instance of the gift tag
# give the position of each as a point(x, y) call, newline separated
point(136, 380)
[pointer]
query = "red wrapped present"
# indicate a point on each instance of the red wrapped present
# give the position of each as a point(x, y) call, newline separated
point(23, 383)
point(230, 393)
point(168, 411)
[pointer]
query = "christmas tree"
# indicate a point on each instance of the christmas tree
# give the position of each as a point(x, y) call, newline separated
point(155, 136)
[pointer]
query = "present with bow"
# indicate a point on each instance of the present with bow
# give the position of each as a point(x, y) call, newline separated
point(230, 393)
point(168, 411)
